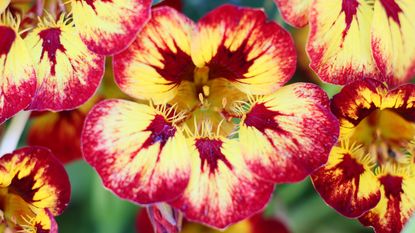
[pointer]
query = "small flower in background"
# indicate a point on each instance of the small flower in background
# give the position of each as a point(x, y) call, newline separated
point(354, 39)
point(107, 27)
point(60, 131)
point(34, 187)
point(220, 129)
point(255, 224)
point(17, 70)
point(370, 173)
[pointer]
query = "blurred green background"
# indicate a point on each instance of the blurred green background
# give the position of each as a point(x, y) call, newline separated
point(94, 209)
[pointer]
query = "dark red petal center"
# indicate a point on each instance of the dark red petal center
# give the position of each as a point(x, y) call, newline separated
point(392, 186)
point(392, 9)
point(210, 153)
point(51, 43)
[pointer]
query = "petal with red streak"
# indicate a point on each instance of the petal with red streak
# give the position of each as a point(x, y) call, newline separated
point(396, 205)
point(139, 154)
point(159, 59)
point(294, 12)
point(278, 134)
point(35, 176)
point(347, 182)
point(109, 26)
point(16, 70)
point(60, 132)
point(221, 190)
point(393, 36)
point(339, 41)
point(68, 73)
point(239, 44)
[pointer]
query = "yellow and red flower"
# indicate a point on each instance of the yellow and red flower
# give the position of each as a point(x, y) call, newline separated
point(34, 188)
point(353, 39)
point(295, 12)
point(370, 172)
point(219, 129)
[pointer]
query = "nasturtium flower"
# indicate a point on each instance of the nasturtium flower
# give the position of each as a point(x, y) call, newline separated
point(353, 39)
point(68, 73)
point(220, 129)
point(34, 188)
point(255, 224)
point(109, 26)
point(17, 72)
point(370, 172)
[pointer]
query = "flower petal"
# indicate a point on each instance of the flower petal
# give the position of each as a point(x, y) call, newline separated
point(221, 189)
point(3, 5)
point(159, 59)
point(109, 26)
point(68, 73)
point(239, 44)
point(37, 177)
point(294, 12)
point(16, 70)
point(347, 182)
point(393, 34)
point(139, 154)
point(339, 41)
point(278, 135)
point(397, 204)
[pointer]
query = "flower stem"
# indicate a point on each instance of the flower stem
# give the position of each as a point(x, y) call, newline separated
point(14, 132)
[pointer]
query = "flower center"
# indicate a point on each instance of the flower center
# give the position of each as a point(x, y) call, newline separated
point(207, 99)
point(387, 136)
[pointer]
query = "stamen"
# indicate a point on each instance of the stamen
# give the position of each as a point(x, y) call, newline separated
point(206, 90)
point(7, 18)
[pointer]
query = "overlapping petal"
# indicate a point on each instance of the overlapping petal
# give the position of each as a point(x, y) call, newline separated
point(68, 73)
point(239, 44)
point(138, 152)
point(392, 36)
point(278, 135)
point(339, 41)
point(18, 78)
point(347, 182)
point(221, 190)
point(158, 61)
point(397, 204)
point(108, 26)
point(294, 12)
